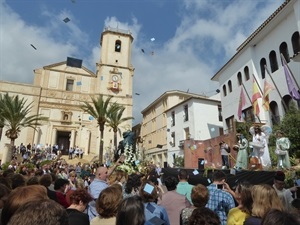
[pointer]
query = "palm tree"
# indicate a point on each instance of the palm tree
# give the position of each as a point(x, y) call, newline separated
point(98, 109)
point(15, 115)
point(1, 126)
point(115, 119)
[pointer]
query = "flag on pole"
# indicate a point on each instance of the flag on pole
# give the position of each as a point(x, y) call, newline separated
point(267, 89)
point(256, 95)
point(290, 82)
point(242, 103)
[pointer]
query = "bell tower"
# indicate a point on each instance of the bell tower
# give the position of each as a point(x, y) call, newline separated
point(115, 71)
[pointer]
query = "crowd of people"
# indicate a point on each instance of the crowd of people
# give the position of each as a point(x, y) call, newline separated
point(61, 194)
point(35, 153)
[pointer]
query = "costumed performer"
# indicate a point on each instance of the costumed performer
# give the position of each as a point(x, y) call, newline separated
point(260, 145)
point(282, 150)
point(242, 156)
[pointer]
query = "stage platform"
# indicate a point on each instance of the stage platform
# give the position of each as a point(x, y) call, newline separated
point(254, 177)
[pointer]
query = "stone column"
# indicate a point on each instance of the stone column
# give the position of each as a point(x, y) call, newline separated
point(87, 142)
point(72, 141)
point(7, 154)
point(54, 133)
point(37, 136)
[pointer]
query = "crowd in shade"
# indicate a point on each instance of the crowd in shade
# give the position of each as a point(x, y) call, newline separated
point(62, 194)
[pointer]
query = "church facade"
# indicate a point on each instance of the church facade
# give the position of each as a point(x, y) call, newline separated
point(59, 89)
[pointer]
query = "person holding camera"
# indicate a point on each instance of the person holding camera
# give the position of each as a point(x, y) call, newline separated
point(224, 150)
point(220, 201)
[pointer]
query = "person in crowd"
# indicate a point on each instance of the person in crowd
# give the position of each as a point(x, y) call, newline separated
point(170, 197)
point(98, 185)
point(282, 150)
point(107, 205)
point(61, 186)
point(32, 180)
point(242, 195)
point(46, 181)
point(18, 197)
point(71, 152)
point(204, 216)
point(149, 195)
point(131, 211)
point(76, 152)
point(72, 180)
point(17, 180)
point(264, 198)
point(131, 187)
point(278, 217)
point(85, 171)
point(95, 188)
point(80, 153)
point(183, 187)
point(260, 148)
point(40, 212)
point(4, 192)
point(285, 195)
point(154, 177)
point(296, 205)
point(78, 184)
point(118, 177)
point(242, 156)
point(79, 200)
point(200, 196)
point(224, 151)
point(220, 201)
point(78, 169)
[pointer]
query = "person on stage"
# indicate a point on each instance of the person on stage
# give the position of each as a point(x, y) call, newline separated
point(242, 156)
point(282, 151)
point(224, 150)
point(260, 147)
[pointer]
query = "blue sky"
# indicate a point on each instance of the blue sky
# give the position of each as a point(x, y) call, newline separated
point(193, 38)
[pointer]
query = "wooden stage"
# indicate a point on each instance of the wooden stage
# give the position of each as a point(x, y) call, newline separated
point(254, 177)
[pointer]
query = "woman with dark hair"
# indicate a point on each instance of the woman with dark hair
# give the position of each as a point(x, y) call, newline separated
point(131, 212)
point(242, 195)
point(277, 217)
point(60, 187)
point(4, 192)
point(79, 200)
point(149, 195)
point(132, 185)
point(204, 216)
point(107, 205)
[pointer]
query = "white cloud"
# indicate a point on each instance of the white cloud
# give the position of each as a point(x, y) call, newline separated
point(52, 43)
point(208, 35)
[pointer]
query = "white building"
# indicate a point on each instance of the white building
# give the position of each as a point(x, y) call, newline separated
point(279, 34)
point(197, 118)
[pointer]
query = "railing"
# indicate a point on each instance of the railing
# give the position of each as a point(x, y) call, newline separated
point(117, 30)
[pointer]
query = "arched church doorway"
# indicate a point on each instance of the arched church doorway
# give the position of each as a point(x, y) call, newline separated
point(63, 141)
